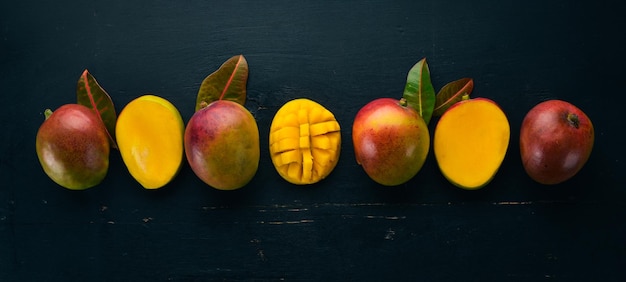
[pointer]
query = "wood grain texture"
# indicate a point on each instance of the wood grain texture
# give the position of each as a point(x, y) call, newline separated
point(342, 54)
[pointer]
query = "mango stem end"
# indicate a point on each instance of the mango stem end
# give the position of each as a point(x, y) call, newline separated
point(47, 113)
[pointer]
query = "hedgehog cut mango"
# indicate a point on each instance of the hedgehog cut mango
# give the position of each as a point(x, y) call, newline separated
point(305, 141)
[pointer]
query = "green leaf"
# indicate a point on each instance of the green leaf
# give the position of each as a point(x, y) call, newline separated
point(419, 92)
point(226, 83)
point(90, 94)
point(451, 93)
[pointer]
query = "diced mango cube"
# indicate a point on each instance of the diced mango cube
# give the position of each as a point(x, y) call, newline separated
point(322, 156)
point(295, 171)
point(324, 127)
point(290, 120)
point(307, 165)
point(283, 133)
point(304, 129)
point(287, 144)
point(305, 142)
point(293, 156)
point(303, 117)
point(321, 142)
point(335, 139)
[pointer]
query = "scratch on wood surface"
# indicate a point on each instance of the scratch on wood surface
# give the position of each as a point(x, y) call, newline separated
point(261, 255)
point(385, 217)
point(275, 222)
point(307, 207)
point(390, 234)
point(298, 209)
point(513, 203)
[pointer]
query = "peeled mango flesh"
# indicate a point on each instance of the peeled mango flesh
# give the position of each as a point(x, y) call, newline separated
point(73, 147)
point(305, 141)
point(471, 141)
point(149, 133)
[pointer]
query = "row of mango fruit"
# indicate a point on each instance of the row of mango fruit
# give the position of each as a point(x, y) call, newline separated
point(390, 137)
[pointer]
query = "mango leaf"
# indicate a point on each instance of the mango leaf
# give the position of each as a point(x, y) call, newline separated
point(419, 92)
point(226, 83)
point(90, 94)
point(451, 93)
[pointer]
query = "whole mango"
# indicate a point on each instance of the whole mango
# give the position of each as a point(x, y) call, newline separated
point(391, 141)
point(556, 140)
point(73, 147)
point(222, 145)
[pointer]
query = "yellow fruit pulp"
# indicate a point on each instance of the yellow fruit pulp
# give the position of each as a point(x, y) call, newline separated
point(470, 142)
point(305, 141)
point(149, 133)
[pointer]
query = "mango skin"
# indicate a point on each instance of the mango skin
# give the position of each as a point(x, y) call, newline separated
point(222, 145)
point(73, 147)
point(391, 141)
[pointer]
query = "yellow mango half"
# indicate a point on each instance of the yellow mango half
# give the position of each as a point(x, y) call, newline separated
point(305, 141)
point(149, 133)
point(470, 142)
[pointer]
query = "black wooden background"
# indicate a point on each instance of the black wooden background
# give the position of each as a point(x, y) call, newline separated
point(341, 54)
